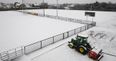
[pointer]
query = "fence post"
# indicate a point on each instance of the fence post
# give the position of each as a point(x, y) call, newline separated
point(15, 52)
point(8, 56)
point(74, 31)
point(86, 27)
point(63, 35)
point(67, 34)
point(53, 39)
point(80, 29)
point(0, 56)
point(41, 44)
point(22, 49)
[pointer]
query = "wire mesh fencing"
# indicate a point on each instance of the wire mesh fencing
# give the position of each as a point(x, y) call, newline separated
point(12, 54)
point(20, 51)
point(93, 23)
point(43, 43)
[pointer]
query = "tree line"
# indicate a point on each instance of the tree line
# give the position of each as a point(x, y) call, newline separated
point(97, 6)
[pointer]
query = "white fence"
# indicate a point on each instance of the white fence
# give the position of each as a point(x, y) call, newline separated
point(14, 53)
point(63, 18)
point(43, 43)
point(11, 54)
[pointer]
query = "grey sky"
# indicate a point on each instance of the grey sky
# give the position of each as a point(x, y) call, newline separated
point(60, 1)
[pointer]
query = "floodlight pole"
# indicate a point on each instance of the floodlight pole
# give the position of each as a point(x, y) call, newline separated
point(92, 10)
point(22, 6)
point(22, 3)
point(57, 9)
point(43, 9)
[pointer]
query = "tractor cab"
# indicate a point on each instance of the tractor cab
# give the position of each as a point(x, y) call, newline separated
point(82, 38)
point(80, 43)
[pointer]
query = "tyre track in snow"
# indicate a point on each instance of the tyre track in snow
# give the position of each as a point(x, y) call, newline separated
point(109, 54)
point(48, 51)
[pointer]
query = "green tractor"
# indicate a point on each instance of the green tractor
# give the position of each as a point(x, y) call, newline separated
point(85, 46)
point(80, 44)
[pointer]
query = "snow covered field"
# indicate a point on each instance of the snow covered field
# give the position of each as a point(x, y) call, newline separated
point(64, 13)
point(106, 24)
point(18, 29)
point(101, 17)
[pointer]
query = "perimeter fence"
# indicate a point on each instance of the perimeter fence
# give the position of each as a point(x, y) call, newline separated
point(20, 51)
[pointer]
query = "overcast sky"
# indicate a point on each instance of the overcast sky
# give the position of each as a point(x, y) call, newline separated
point(60, 1)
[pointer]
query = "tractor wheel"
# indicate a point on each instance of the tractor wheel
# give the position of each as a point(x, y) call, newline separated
point(82, 49)
point(71, 45)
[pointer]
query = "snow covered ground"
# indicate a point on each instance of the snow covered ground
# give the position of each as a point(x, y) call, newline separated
point(18, 29)
point(36, 54)
point(103, 38)
point(13, 28)
point(64, 53)
point(106, 25)
point(103, 18)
